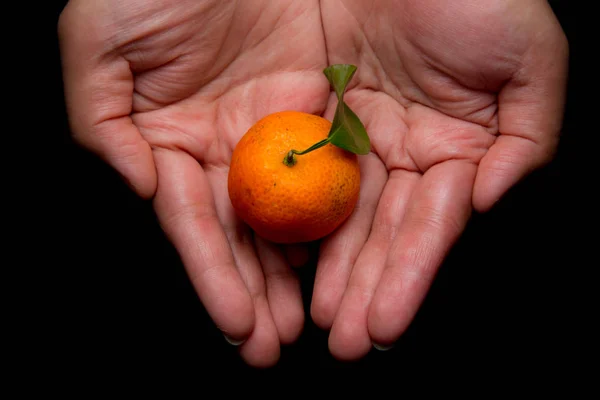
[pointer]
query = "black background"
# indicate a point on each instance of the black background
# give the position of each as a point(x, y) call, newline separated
point(116, 298)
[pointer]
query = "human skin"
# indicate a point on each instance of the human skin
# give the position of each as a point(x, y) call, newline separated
point(461, 100)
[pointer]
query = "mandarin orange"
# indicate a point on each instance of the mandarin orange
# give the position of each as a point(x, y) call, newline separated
point(295, 203)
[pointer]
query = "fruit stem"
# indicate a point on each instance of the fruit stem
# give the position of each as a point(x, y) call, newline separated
point(290, 160)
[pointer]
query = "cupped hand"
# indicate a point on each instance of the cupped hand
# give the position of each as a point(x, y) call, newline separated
point(162, 91)
point(461, 100)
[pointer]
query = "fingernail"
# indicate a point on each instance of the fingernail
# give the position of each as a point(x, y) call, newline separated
point(382, 347)
point(234, 342)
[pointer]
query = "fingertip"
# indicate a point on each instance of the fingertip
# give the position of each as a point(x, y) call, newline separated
point(269, 361)
point(238, 321)
point(349, 338)
point(323, 307)
point(493, 179)
point(349, 341)
point(291, 328)
point(290, 325)
point(385, 324)
point(393, 308)
point(119, 144)
point(262, 349)
point(484, 199)
point(260, 358)
point(508, 162)
point(138, 171)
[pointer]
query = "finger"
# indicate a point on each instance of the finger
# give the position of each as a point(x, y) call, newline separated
point(507, 162)
point(262, 347)
point(340, 250)
point(530, 114)
point(283, 291)
point(436, 216)
point(262, 350)
point(349, 338)
point(296, 255)
point(99, 95)
point(186, 211)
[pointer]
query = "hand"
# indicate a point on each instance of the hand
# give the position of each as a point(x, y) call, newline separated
point(162, 91)
point(461, 100)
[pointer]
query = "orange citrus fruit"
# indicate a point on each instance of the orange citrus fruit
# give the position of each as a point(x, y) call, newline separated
point(297, 203)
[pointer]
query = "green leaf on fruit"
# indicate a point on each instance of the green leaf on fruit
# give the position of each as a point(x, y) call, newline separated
point(347, 131)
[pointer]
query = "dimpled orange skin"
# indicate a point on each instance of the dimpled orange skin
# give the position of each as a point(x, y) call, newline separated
point(296, 204)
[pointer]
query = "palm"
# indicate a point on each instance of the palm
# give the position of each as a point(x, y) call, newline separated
point(433, 90)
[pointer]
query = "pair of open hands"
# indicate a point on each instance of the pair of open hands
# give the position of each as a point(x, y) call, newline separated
point(461, 99)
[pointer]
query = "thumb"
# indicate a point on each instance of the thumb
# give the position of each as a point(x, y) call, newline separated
point(530, 115)
point(98, 87)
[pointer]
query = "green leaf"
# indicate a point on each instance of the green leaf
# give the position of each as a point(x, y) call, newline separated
point(347, 130)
